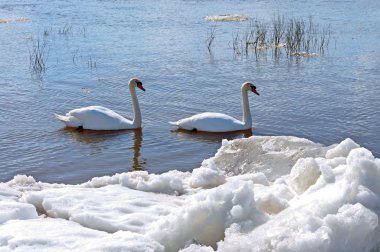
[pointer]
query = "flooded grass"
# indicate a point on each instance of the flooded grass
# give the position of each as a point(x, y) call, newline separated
point(48, 40)
point(66, 30)
point(297, 37)
point(210, 38)
point(38, 55)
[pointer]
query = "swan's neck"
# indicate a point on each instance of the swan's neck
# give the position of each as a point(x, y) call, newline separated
point(136, 108)
point(247, 118)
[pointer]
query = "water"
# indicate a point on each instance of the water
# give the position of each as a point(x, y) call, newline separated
point(95, 47)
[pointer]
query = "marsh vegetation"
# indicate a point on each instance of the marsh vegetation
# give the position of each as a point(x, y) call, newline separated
point(297, 37)
point(47, 41)
point(38, 55)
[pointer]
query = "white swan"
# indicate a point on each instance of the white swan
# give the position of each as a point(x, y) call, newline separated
point(217, 122)
point(101, 118)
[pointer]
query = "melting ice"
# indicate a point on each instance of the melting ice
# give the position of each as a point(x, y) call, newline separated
point(255, 194)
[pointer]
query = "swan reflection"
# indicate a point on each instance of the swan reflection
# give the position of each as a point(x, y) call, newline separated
point(211, 137)
point(98, 141)
point(137, 140)
point(93, 136)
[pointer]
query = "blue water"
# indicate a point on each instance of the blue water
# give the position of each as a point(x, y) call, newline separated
point(95, 47)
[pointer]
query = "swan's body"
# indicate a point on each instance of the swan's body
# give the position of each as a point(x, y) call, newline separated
point(101, 118)
point(218, 122)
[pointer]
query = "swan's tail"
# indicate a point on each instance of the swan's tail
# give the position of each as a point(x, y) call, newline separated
point(69, 121)
point(174, 123)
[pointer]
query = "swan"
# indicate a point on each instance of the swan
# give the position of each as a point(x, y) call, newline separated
point(101, 118)
point(218, 122)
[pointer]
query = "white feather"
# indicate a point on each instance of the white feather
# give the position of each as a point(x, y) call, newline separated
point(101, 118)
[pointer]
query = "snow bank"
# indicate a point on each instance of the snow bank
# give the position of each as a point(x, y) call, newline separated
point(256, 194)
point(339, 212)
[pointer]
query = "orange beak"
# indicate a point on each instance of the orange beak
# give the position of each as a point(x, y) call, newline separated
point(140, 86)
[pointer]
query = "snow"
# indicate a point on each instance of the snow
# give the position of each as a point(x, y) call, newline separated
point(48, 234)
point(256, 194)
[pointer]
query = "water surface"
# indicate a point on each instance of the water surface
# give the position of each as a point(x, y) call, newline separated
point(95, 47)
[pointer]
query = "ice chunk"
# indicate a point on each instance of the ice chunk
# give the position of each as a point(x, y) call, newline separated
point(219, 18)
point(169, 182)
point(61, 235)
point(342, 149)
point(205, 215)
point(16, 211)
point(207, 176)
point(304, 174)
point(110, 208)
point(273, 156)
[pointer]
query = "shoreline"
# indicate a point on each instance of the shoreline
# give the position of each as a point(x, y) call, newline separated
point(273, 188)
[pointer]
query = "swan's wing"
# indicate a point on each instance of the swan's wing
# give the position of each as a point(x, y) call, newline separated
point(129, 118)
point(211, 122)
point(99, 118)
point(94, 113)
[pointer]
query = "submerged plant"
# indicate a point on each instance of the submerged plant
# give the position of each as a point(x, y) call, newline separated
point(38, 55)
point(210, 37)
point(66, 30)
point(91, 63)
point(45, 42)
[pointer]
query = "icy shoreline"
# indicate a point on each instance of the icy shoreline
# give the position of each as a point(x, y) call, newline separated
point(256, 194)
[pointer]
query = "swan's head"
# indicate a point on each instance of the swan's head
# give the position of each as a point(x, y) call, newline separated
point(134, 82)
point(248, 86)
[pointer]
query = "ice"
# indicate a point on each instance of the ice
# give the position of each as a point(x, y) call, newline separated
point(205, 216)
point(48, 234)
point(197, 248)
point(273, 156)
point(351, 228)
point(170, 182)
point(256, 194)
point(223, 18)
point(7, 193)
point(342, 149)
point(339, 214)
point(304, 174)
point(207, 176)
point(16, 210)
point(171, 220)
point(272, 199)
point(110, 208)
